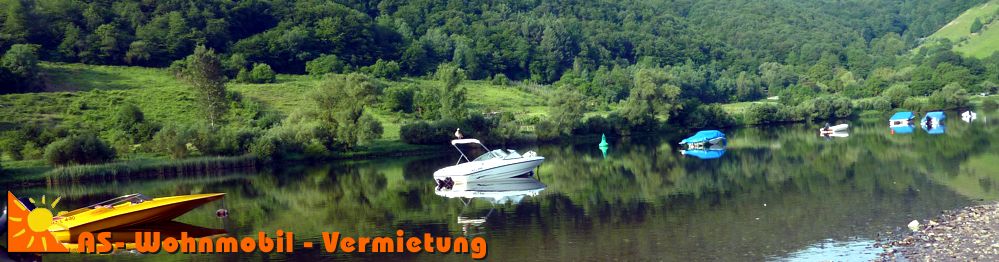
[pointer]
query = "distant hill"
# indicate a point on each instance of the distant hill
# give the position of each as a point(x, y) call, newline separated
point(979, 44)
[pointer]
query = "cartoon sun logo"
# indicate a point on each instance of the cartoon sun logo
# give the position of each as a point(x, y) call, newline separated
point(28, 230)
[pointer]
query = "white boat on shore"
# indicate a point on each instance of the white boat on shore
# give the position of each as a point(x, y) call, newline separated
point(494, 164)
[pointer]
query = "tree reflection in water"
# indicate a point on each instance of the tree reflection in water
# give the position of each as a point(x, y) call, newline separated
point(774, 192)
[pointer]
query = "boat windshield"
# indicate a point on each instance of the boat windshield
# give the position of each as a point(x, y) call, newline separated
point(498, 153)
point(133, 198)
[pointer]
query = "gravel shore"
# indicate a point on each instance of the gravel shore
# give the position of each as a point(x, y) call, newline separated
point(968, 234)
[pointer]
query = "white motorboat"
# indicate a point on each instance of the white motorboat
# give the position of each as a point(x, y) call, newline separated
point(834, 129)
point(494, 164)
point(969, 116)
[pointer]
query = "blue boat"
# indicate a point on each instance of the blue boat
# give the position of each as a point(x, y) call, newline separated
point(933, 122)
point(704, 154)
point(713, 137)
point(901, 123)
point(901, 118)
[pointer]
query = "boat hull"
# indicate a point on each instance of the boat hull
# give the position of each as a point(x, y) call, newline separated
point(127, 215)
point(488, 171)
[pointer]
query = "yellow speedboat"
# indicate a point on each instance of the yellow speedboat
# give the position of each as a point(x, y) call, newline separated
point(123, 212)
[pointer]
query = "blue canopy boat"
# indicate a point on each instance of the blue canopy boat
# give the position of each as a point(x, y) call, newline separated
point(932, 122)
point(901, 123)
point(901, 119)
point(713, 137)
point(704, 154)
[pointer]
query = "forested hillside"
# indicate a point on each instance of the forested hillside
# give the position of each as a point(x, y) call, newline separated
point(588, 67)
point(536, 40)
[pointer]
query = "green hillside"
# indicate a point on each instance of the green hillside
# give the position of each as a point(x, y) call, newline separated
point(981, 44)
point(87, 96)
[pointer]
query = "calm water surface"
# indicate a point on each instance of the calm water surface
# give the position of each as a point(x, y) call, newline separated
point(779, 193)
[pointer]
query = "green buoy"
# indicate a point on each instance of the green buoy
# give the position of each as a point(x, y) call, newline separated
point(604, 145)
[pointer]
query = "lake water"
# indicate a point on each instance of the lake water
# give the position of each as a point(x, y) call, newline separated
point(778, 193)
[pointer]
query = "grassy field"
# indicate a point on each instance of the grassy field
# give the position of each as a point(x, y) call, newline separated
point(87, 97)
point(979, 45)
point(291, 92)
point(82, 95)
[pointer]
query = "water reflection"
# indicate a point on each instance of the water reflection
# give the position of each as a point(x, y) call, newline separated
point(711, 153)
point(497, 192)
point(502, 191)
point(776, 191)
point(933, 123)
point(832, 250)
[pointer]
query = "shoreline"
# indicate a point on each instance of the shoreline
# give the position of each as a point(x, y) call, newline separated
point(965, 234)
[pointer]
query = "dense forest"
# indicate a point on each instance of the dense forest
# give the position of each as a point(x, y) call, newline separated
point(660, 62)
point(536, 40)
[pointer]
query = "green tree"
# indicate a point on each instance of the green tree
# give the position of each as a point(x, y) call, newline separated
point(507, 128)
point(763, 113)
point(18, 21)
point(651, 98)
point(326, 64)
point(79, 149)
point(341, 103)
point(452, 97)
point(70, 45)
point(19, 69)
point(976, 26)
point(138, 52)
point(950, 97)
point(22, 60)
point(131, 120)
point(384, 69)
point(203, 71)
point(399, 98)
point(109, 43)
point(566, 110)
point(776, 77)
point(262, 73)
point(897, 94)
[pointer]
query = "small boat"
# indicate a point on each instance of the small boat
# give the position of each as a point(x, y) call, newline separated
point(969, 116)
point(126, 211)
point(932, 122)
point(901, 123)
point(901, 119)
point(494, 164)
point(834, 129)
point(705, 138)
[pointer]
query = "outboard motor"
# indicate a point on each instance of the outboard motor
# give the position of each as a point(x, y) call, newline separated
point(444, 183)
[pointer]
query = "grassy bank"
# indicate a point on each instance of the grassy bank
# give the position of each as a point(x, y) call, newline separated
point(87, 97)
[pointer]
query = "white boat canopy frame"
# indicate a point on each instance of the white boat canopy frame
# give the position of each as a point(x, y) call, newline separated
point(457, 142)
